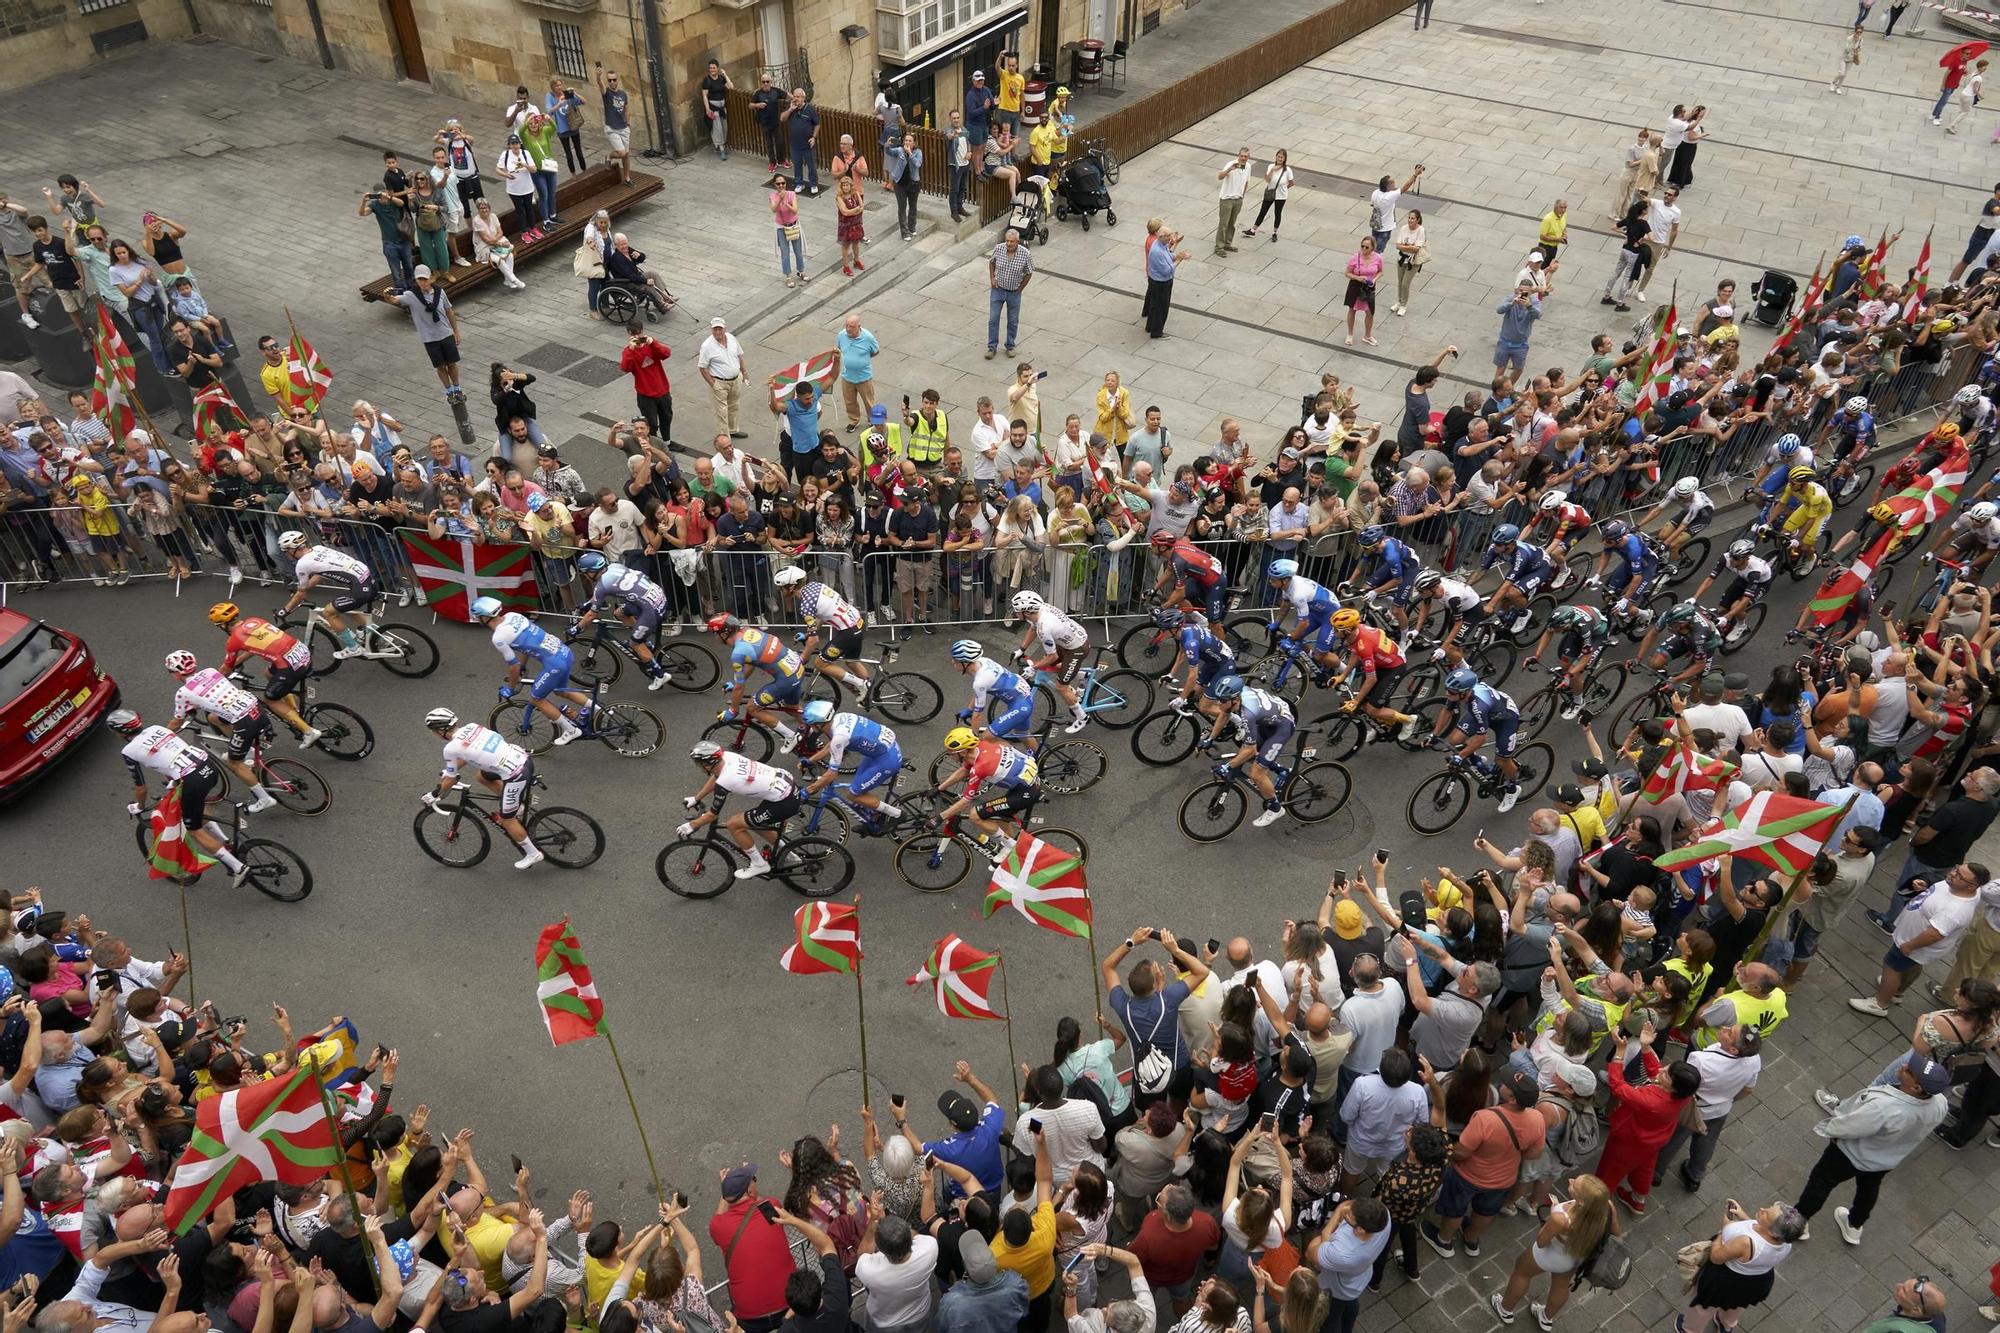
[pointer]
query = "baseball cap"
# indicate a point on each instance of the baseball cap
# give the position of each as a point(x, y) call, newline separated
point(1449, 897)
point(1522, 1084)
point(978, 74)
point(957, 1108)
point(976, 1256)
point(537, 502)
point(737, 1183)
point(877, 415)
point(1590, 768)
point(718, 322)
point(1289, 453)
point(1724, 312)
point(1931, 1076)
point(422, 271)
point(1736, 680)
point(1569, 794)
point(547, 450)
point(1347, 922)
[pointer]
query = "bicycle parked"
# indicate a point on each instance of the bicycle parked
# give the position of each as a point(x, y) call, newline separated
point(271, 868)
point(633, 730)
point(454, 833)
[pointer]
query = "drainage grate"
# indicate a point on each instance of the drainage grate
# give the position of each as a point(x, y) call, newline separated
point(594, 371)
point(553, 357)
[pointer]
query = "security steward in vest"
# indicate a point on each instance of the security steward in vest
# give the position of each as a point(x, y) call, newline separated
point(927, 430)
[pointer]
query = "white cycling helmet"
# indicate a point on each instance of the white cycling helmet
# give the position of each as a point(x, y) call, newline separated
point(1685, 488)
point(1982, 512)
point(1855, 405)
point(966, 650)
point(705, 752)
point(1967, 396)
point(786, 577)
point(181, 662)
point(291, 541)
point(440, 718)
point(1025, 603)
point(1553, 501)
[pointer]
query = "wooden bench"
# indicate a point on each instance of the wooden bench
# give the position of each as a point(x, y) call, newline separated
point(578, 197)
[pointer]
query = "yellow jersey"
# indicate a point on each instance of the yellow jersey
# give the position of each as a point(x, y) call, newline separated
point(1012, 85)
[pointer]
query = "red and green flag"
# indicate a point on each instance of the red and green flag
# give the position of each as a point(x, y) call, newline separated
point(817, 371)
point(960, 977)
point(1830, 603)
point(570, 1006)
point(1931, 496)
point(116, 382)
point(1659, 363)
point(174, 855)
point(1870, 281)
point(216, 412)
point(1772, 829)
point(275, 1130)
point(1686, 770)
point(1920, 283)
point(310, 376)
point(1044, 883)
point(457, 571)
point(829, 940)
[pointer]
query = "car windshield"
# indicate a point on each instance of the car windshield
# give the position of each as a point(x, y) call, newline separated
point(26, 657)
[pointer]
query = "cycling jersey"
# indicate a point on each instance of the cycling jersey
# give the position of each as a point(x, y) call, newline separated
point(1699, 635)
point(990, 680)
point(253, 637)
point(1394, 563)
point(1569, 518)
point(319, 561)
point(1528, 564)
point(1190, 562)
point(1698, 512)
point(863, 735)
point(1200, 644)
point(1484, 708)
point(746, 777)
point(486, 750)
point(1985, 534)
point(758, 648)
point(821, 605)
point(1458, 597)
point(1057, 630)
point(1810, 512)
point(1801, 457)
point(1262, 711)
point(1756, 570)
point(997, 764)
point(212, 692)
point(631, 592)
point(1309, 601)
point(514, 634)
point(1858, 429)
point(1373, 651)
point(1588, 637)
point(158, 750)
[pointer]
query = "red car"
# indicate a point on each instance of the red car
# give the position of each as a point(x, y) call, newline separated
point(52, 693)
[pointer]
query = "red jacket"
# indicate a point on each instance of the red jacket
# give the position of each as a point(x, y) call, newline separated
point(643, 365)
point(1645, 1114)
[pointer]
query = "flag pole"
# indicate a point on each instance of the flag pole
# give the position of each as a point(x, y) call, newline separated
point(346, 1175)
point(1783, 908)
point(860, 1002)
point(659, 1193)
point(187, 933)
point(1090, 938)
point(1007, 1013)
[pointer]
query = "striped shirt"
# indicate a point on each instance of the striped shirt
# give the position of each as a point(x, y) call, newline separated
point(1010, 271)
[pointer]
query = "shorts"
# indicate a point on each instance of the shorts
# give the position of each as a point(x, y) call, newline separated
point(1573, 652)
point(103, 545)
point(514, 790)
point(1211, 595)
point(1014, 800)
point(17, 269)
point(196, 788)
point(1742, 587)
point(780, 692)
point(1675, 644)
point(1530, 584)
point(554, 674)
point(72, 299)
point(1472, 617)
point(644, 623)
point(1504, 731)
point(443, 352)
point(1698, 524)
point(1012, 721)
point(876, 772)
point(1069, 662)
point(1324, 635)
point(620, 140)
point(1621, 580)
point(1458, 1196)
point(1897, 961)
point(1804, 938)
point(1386, 681)
point(1360, 1164)
point(843, 643)
point(356, 597)
point(285, 681)
point(1206, 671)
point(773, 812)
point(915, 575)
point(1270, 741)
point(245, 732)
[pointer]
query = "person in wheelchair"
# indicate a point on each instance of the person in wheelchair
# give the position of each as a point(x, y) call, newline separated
point(624, 267)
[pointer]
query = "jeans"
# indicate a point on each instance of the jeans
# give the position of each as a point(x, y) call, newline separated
point(906, 206)
point(1341, 1315)
point(1831, 1169)
point(792, 252)
point(804, 165)
point(998, 299)
point(1701, 1150)
point(572, 146)
point(959, 176)
point(1943, 98)
point(545, 190)
point(1622, 277)
point(146, 319)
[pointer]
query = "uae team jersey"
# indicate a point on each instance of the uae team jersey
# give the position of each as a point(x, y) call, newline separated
point(211, 692)
point(484, 749)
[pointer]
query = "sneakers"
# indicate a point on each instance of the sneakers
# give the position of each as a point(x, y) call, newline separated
point(1471, 1246)
point(1946, 1139)
point(1882, 921)
point(1630, 1200)
point(1849, 1233)
point(532, 858)
point(755, 868)
point(661, 681)
point(1435, 1241)
point(1827, 1101)
point(1639, 296)
point(1508, 799)
point(1865, 1004)
point(1500, 1310)
point(28, 321)
point(763, 622)
point(1272, 814)
point(568, 732)
point(310, 738)
point(1541, 1314)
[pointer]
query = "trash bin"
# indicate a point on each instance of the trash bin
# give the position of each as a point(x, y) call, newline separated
point(1034, 102)
point(1087, 62)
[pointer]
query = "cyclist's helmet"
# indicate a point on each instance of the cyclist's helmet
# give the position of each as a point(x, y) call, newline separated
point(593, 562)
point(1460, 680)
point(1506, 535)
point(181, 662)
point(967, 650)
point(1741, 549)
point(1026, 603)
point(1982, 512)
point(1429, 582)
point(485, 608)
point(1283, 569)
point(1166, 618)
point(1372, 535)
point(1553, 501)
point(291, 541)
point(785, 578)
point(1946, 432)
point(224, 613)
point(817, 712)
point(1788, 446)
point(1162, 540)
point(1967, 396)
point(1566, 617)
point(1613, 530)
point(1681, 612)
point(1855, 406)
point(441, 719)
point(1685, 488)
point(960, 739)
point(1801, 475)
point(705, 752)
point(1227, 687)
point(1345, 619)
point(123, 721)
point(723, 625)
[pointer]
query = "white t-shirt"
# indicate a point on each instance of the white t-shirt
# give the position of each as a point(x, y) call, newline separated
point(1272, 1238)
point(1661, 218)
point(1766, 772)
point(899, 1294)
point(1278, 181)
point(1382, 209)
point(1726, 720)
point(1675, 136)
point(1936, 906)
point(1723, 1078)
point(1066, 1132)
point(1231, 185)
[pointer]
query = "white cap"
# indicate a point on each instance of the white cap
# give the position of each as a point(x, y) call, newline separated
point(718, 323)
point(422, 272)
point(1724, 312)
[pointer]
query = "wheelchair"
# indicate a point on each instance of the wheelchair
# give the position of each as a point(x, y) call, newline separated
point(621, 302)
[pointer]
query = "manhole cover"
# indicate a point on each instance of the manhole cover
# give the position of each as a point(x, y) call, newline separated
point(552, 356)
point(206, 148)
point(221, 113)
point(579, 445)
point(594, 371)
point(304, 83)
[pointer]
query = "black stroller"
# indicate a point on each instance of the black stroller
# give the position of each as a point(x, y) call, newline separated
point(1775, 293)
point(1082, 190)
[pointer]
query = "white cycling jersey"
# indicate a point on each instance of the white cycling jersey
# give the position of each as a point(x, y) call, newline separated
point(1460, 597)
point(831, 609)
point(1697, 505)
point(160, 751)
point(1987, 534)
point(747, 777)
point(986, 675)
point(326, 560)
point(514, 634)
point(486, 750)
point(1057, 630)
point(212, 692)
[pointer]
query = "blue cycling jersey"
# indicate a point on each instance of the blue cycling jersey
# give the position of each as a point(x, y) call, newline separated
point(1525, 562)
point(1483, 707)
point(1259, 708)
point(1199, 644)
point(632, 591)
point(1394, 561)
point(865, 736)
point(1636, 553)
point(1857, 429)
point(515, 635)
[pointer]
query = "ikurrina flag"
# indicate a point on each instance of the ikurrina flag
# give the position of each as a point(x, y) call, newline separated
point(1838, 592)
point(310, 376)
point(1045, 884)
point(175, 855)
point(275, 1130)
point(817, 371)
point(216, 412)
point(570, 1005)
point(1920, 283)
point(960, 977)
point(1782, 832)
point(1686, 770)
point(116, 382)
point(1931, 496)
point(829, 940)
point(1659, 363)
point(457, 571)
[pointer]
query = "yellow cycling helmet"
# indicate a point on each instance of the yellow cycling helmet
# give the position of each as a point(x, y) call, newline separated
point(960, 739)
point(1946, 431)
point(1801, 475)
point(1346, 619)
point(223, 613)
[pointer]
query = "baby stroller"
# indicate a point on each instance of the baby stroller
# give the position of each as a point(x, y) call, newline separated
point(1031, 210)
point(1081, 191)
point(1775, 292)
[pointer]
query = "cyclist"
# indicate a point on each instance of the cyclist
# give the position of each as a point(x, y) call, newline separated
point(231, 708)
point(1482, 709)
point(762, 649)
point(353, 586)
point(1063, 645)
point(777, 794)
point(1750, 579)
point(1007, 700)
point(1312, 604)
point(1849, 433)
point(186, 766)
point(839, 644)
point(1199, 578)
point(1779, 460)
point(1569, 519)
point(1395, 566)
point(834, 734)
point(1638, 559)
point(1380, 662)
point(502, 767)
point(1525, 568)
point(1697, 514)
point(1206, 653)
point(1975, 414)
point(1463, 606)
point(984, 764)
point(290, 662)
point(1586, 633)
point(634, 599)
point(516, 636)
point(1973, 537)
point(1267, 724)
point(1689, 629)
point(1807, 508)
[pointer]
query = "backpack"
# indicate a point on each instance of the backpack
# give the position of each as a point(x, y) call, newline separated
point(1581, 1138)
point(1154, 1069)
point(1607, 1267)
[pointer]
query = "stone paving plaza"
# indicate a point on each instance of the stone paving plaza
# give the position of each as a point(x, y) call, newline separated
point(1510, 104)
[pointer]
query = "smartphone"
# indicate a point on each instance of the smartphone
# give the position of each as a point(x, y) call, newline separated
point(680, 1199)
point(896, 1100)
point(517, 1164)
point(1382, 856)
point(1214, 944)
point(1268, 1121)
point(1034, 1125)
point(1041, 374)
point(1340, 878)
point(930, 1160)
point(768, 1210)
point(1074, 1260)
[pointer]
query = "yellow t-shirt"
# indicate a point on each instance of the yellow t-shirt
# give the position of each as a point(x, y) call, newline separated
point(488, 1236)
point(399, 1162)
point(1554, 227)
point(1587, 824)
point(598, 1279)
point(277, 381)
point(1042, 143)
point(1036, 1260)
point(1011, 87)
point(1111, 414)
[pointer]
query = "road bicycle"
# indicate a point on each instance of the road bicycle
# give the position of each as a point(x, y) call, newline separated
point(904, 697)
point(1492, 658)
point(704, 865)
point(1310, 793)
point(832, 813)
point(454, 832)
point(1146, 647)
point(403, 650)
point(1168, 735)
point(1654, 701)
point(938, 859)
point(1118, 698)
point(1683, 565)
point(293, 783)
point(633, 730)
point(1346, 732)
point(1441, 799)
point(276, 871)
point(1065, 765)
point(1949, 572)
point(601, 652)
point(1560, 698)
point(343, 733)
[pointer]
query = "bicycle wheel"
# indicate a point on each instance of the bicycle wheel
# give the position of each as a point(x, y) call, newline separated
point(1603, 688)
point(1120, 698)
point(1147, 647)
point(1540, 708)
point(345, 734)
point(324, 644)
point(1212, 811)
point(524, 725)
point(1426, 712)
point(1046, 703)
point(755, 743)
point(1575, 569)
point(932, 863)
point(452, 837)
point(1070, 767)
point(1741, 632)
point(1318, 791)
point(596, 662)
point(1280, 676)
point(814, 867)
point(942, 767)
point(1438, 802)
point(143, 828)
point(1249, 635)
point(1344, 734)
point(1845, 493)
point(830, 820)
point(696, 867)
point(906, 697)
point(1063, 839)
point(693, 667)
point(1533, 764)
point(275, 870)
point(1643, 708)
point(1495, 662)
point(1540, 607)
point(568, 838)
point(416, 653)
point(1694, 554)
point(631, 729)
point(296, 786)
point(1418, 683)
point(1165, 737)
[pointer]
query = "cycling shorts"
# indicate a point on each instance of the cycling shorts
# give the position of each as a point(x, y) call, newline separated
point(1627, 572)
point(644, 624)
point(842, 644)
point(1270, 738)
point(514, 790)
point(1531, 583)
point(1069, 665)
point(1010, 719)
point(1387, 679)
point(245, 732)
point(1675, 645)
point(1572, 652)
point(196, 788)
point(772, 814)
point(1471, 619)
point(1324, 637)
point(876, 772)
point(781, 691)
point(554, 674)
point(1698, 524)
point(1211, 596)
point(1774, 483)
point(1014, 800)
point(356, 597)
point(1504, 726)
point(285, 681)
point(1742, 587)
point(1205, 671)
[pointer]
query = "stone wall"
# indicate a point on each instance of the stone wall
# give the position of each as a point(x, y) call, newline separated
point(42, 39)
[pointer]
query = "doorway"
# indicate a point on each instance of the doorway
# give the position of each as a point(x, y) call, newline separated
point(1048, 46)
point(409, 45)
point(771, 33)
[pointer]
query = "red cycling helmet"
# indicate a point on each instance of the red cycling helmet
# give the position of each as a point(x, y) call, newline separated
point(1162, 540)
point(724, 624)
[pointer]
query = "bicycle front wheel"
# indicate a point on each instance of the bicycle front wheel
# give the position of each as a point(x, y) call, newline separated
point(524, 725)
point(932, 863)
point(296, 786)
point(344, 733)
point(1532, 766)
point(416, 654)
point(1070, 767)
point(631, 729)
point(1603, 688)
point(1694, 555)
point(1438, 802)
point(1212, 811)
point(1165, 738)
point(596, 663)
point(1147, 647)
point(755, 742)
point(1740, 633)
point(275, 870)
point(568, 837)
point(814, 867)
point(1120, 698)
point(1536, 713)
point(906, 697)
point(696, 867)
point(693, 667)
point(1318, 791)
point(452, 837)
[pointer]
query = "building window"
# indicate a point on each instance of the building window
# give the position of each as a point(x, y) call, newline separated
point(565, 42)
point(96, 6)
point(913, 28)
